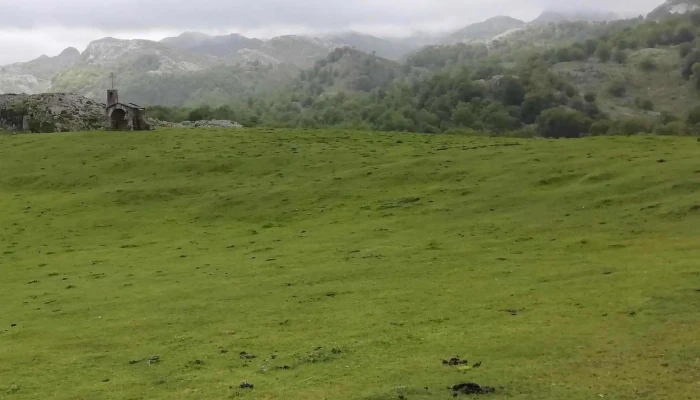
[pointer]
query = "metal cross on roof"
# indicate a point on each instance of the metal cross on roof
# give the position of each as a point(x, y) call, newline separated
point(112, 77)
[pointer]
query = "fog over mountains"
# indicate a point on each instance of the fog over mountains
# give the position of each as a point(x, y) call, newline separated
point(198, 57)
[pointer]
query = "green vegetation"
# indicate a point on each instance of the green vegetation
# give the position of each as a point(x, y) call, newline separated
point(630, 74)
point(252, 264)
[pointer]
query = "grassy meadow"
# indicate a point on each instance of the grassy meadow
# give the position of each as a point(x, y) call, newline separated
point(185, 264)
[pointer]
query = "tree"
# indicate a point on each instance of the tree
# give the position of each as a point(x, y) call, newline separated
point(687, 65)
point(463, 115)
point(684, 34)
point(696, 75)
point(501, 121)
point(590, 46)
point(512, 91)
point(562, 123)
point(684, 49)
point(590, 97)
point(603, 53)
point(200, 114)
point(694, 116)
point(533, 106)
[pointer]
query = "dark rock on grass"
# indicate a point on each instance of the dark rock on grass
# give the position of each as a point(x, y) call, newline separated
point(246, 385)
point(105, 380)
point(132, 362)
point(471, 388)
point(661, 161)
point(246, 356)
point(455, 361)
point(477, 365)
point(13, 325)
point(154, 360)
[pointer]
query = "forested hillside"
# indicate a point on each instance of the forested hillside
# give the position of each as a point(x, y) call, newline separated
point(568, 79)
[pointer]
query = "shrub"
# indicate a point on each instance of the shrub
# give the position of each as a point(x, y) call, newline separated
point(647, 64)
point(632, 126)
point(670, 128)
point(617, 88)
point(603, 53)
point(644, 104)
point(620, 56)
point(590, 97)
point(562, 123)
point(600, 128)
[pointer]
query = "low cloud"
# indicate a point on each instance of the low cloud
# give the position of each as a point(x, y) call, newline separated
point(34, 27)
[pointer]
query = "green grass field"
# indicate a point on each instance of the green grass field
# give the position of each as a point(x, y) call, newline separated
point(142, 265)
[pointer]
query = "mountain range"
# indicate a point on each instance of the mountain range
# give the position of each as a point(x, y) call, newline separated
point(214, 68)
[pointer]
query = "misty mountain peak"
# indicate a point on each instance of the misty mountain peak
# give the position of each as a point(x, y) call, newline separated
point(486, 30)
point(70, 52)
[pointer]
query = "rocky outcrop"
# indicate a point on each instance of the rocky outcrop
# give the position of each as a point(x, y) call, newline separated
point(195, 124)
point(50, 112)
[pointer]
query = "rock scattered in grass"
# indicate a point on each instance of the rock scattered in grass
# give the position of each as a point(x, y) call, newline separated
point(246, 385)
point(247, 356)
point(455, 361)
point(471, 388)
point(13, 325)
point(105, 380)
point(154, 360)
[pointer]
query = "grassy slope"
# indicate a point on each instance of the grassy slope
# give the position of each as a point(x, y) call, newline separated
point(396, 250)
point(664, 85)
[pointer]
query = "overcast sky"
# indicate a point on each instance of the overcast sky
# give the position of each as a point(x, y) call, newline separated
point(30, 28)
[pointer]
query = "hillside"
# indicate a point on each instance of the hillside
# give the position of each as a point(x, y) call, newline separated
point(220, 46)
point(345, 265)
point(392, 49)
point(204, 68)
point(485, 31)
point(673, 8)
point(351, 70)
point(35, 76)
